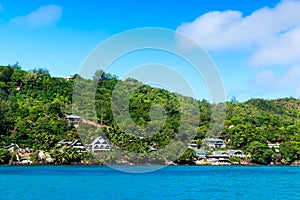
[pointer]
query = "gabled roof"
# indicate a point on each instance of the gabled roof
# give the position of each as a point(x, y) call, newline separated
point(233, 151)
point(72, 143)
point(64, 142)
point(99, 140)
point(200, 152)
point(75, 143)
point(193, 145)
point(213, 140)
point(100, 144)
point(73, 117)
point(219, 153)
point(11, 145)
point(61, 142)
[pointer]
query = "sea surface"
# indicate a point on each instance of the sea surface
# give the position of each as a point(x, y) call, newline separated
point(174, 182)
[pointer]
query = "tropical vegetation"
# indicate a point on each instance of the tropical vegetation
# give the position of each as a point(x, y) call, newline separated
point(33, 105)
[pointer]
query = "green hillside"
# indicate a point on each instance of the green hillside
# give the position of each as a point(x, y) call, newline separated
point(33, 105)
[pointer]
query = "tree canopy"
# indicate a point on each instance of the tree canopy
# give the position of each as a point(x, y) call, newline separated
point(33, 105)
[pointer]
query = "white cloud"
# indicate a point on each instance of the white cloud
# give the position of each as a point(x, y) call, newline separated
point(290, 78)
point(272, 33)
point(266, 79)
point(44, 16)
point(283, 50)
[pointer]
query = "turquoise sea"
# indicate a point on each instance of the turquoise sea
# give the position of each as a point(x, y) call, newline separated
point(174, 182)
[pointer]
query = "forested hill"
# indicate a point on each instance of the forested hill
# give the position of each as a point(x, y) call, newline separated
point(33, 105)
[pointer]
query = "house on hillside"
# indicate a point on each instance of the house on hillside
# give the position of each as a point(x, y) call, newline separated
point(235, 153)
point(275, 146)
point(215, 143)
point(201, 153)
point(13, 147)
point(218, 156)
point(64, 143)
point(24, 150)
point(68, 78)
point(193, 145)
point(100, 144)
point(77, 144)
point(76, 120)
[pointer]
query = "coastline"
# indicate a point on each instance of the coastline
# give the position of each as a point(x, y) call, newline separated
point(297, 163)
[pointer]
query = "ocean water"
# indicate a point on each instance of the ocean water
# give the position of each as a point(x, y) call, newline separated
point(174, 182)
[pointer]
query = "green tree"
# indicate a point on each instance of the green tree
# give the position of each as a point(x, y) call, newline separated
point(187, 157)
point(4, 156)
point(260, 153)
point(290, 151)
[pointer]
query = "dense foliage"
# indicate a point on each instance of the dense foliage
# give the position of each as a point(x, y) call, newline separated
point(33, 105)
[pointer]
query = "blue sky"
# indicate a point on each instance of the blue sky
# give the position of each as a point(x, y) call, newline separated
point(255, 44)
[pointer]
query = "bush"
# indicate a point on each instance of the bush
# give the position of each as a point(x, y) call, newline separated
point(260, 153)
point(4, 156)
point(290, 151)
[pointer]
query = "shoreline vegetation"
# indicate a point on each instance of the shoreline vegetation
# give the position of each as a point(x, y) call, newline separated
point(196, 163)
point(41, 124)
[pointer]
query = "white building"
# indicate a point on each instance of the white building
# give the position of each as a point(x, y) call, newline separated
point(76, 120)
point(215, 143)
point(100, 144)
